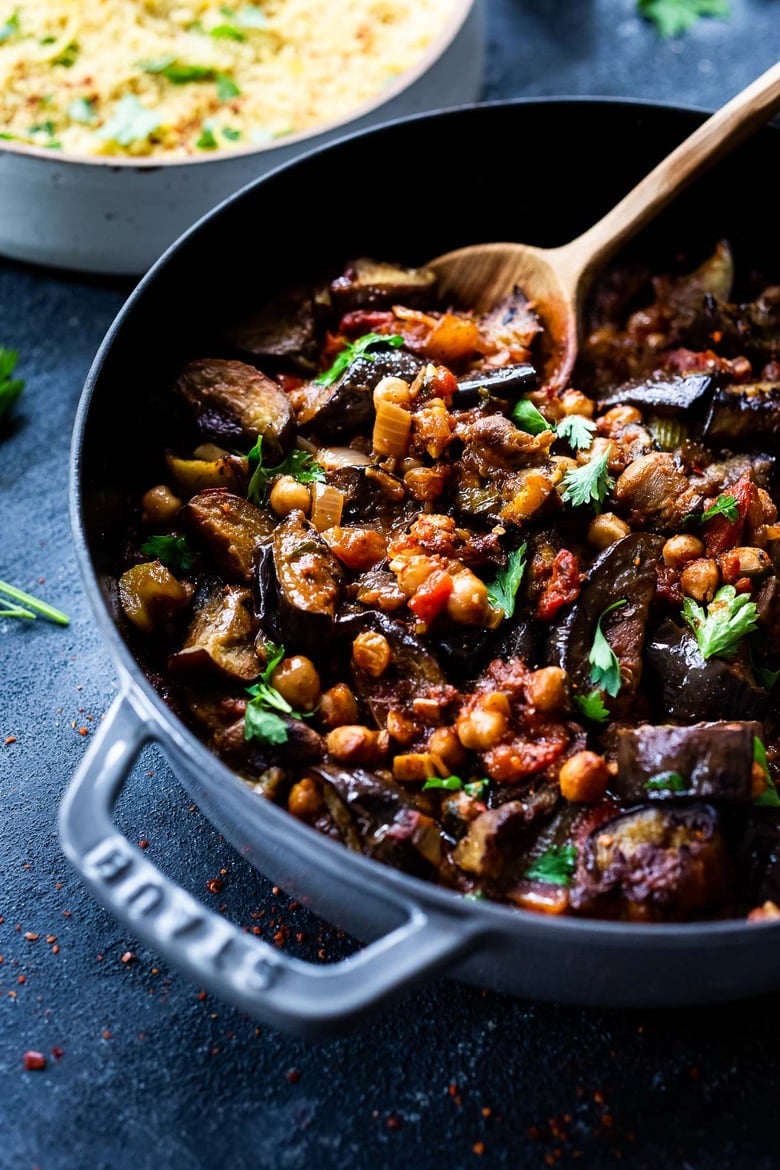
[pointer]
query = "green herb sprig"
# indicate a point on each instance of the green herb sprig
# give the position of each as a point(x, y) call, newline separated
point(588, 484)
point(173, 551)
point(555, 866)
point(666, 782)
point(604, 664)
point(473, 788)
point(352, 351)
point(672, 18)
point(299, 464)
point(502, 591)
point(723, 506)
point(574, 429)
point(592, 707)
point(729, 617)
point(262, 718)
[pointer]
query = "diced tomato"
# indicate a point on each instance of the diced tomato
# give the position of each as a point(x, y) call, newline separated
point(443, 383)
point(432, 596)
point(720, 533)
point(563, 586)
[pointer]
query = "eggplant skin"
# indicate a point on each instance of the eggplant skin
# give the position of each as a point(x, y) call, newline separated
point(714, 761)
point(745, 417)
point(308, 582)
point(233, 404)
point(653, 863)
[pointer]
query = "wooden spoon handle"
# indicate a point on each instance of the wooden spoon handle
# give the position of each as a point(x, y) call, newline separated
point(710, 141)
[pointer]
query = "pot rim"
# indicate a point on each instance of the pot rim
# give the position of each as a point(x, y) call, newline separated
point(331, 854)
point(462, 9)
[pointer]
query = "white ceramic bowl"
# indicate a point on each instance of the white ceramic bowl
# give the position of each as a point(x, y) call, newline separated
point(117, 216)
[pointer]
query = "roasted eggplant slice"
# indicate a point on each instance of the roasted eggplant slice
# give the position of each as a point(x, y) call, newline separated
point(653, 862)
point(283, 330)
point(745, 416)
point(376, 284)
point(710, 761)
point(692, 689)
point(663, 394)
point(308, 581)
point(229, 527)
point(347, 404)
point(503, 382)
point(221, 637)
point(233, 404)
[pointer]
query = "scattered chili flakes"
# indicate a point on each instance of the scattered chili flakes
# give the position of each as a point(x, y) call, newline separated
point(293, 1075)
point(57, 1052)
point(215, 885)
point(201, 996)
point(394, 1121)
point(51, 938)
point(143, 843)
point(31, 936)
point(106, 1034)
point(33, 1061)
point(10, 739)
point(128, 957)
point(478, 1148)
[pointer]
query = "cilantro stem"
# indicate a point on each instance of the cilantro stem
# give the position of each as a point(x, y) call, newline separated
point(38, 607)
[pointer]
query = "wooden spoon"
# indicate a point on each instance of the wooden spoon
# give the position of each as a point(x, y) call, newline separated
point(557, 280)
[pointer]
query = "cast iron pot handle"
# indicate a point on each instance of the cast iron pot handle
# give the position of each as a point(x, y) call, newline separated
point(257, 978)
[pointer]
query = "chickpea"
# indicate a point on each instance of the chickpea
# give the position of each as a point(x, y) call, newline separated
point(605, 529)
point(413, 571)
point(371, 652)
point(700, 579)
point(546, 689)
point(390, 389)
point(584, 777)
point(338, 706)
point(287, 495)
point(618, 417)
point(400, 728)
point(485, 723)
point(296, 679)
point(159, 505)
point(355, 744)
point(305, 800)
point(681, 549)
point(575, 402)
point(468, 604)
point(446, 749)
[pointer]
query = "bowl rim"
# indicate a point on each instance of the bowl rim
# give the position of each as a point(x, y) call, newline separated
point(456, 19)
point(174, 731)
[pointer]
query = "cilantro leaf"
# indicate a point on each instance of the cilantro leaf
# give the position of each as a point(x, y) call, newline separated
point(673, 17)
point(449, 783)
point(231, 134)
point(273, 656)
point(353, 350)
point(769, 798)
point(605, 667)
point(226, 88)
point(131, 122)
point(206, 139)
point(503, 590)
point(577, 431)
point(263, 717)
point(173, 551)
point(729, 617)
point(666, 782)
point(10, 388)
point(299, 464)
point(31, 603)
point(555, 866)
point(588, 484)
point(176, 72)
point(528, 418)
point(723, 506)
point(264, 726)
point(592, 706)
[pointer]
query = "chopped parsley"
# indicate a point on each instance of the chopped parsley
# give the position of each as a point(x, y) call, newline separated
point(528, 418)
point(10, 28)
point(577, 431)
point(227, 32)
point(131, 122)
point(177, 73)
point(67, 58)
point(769, 798)
point(723, 506)
point(473, 788)
point(299, 464)
point(555, 866)
point(207, 139)
point(588, 484)
point(592, 706)
point(263, 716)
point(10, 388)
point(604, 664)
point(503, 590)
point(173, 551)
point(674, 17)
point(666, 782)
point(729, 617)
point(354, 350)
point(231, 134)
point(226, 88)
point(30, 607)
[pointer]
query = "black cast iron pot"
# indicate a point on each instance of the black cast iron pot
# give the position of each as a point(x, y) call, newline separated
point(540, 171)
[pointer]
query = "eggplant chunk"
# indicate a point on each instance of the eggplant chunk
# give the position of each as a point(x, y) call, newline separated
point(626, 571)
point(284, 329)
point(375, 284)
point(509, 381)
point(302, 747)
point(653, 862)
point(221, 637)
point(710, 761)
point(745, 416)
point(232, 403)
point(653, 492)
point(308, 581)
point(230, 526)
point(691, 689)
point(664, 394)
point(490, 846)
point(347, 404)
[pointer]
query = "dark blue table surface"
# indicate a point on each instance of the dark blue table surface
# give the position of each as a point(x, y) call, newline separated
point(142, 1068)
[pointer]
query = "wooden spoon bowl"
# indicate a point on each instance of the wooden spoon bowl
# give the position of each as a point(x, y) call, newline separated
point(557, 280)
